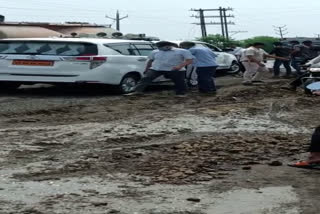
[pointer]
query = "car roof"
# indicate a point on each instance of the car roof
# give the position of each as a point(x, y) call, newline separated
point(89, 40)
point(197, 42)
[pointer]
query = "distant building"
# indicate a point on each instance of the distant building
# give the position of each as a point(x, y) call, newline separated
point(44, 29)
point(68, 29)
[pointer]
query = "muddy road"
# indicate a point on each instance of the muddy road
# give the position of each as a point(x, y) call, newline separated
point(78, 151)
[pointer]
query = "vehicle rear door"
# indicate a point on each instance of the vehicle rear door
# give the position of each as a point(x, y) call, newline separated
point(45, 58)
point(145, 50)
point(133, 56)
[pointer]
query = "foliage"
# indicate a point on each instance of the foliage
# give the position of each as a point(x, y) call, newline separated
point(219, 41)
point(267, 40)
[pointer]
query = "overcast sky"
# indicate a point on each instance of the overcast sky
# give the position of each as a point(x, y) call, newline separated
point(171, 19)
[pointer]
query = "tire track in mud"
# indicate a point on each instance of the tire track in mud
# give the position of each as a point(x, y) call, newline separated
point(69, 150)
point(150, 140)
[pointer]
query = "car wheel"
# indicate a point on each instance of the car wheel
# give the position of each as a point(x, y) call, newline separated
point(306, 83)
point(234, 68)
point(8, 86)
point(128, 83)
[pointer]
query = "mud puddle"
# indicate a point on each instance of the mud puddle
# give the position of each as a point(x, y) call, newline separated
point(119, 195)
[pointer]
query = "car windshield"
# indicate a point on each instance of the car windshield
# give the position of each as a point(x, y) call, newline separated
point(48, 48)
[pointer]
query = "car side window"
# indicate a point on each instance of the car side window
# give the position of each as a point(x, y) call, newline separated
point(144, 49)
point(124, 49)
point(214, 48)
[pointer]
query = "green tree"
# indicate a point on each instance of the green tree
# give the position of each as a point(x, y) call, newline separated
point(267, 40)
point(220, 41)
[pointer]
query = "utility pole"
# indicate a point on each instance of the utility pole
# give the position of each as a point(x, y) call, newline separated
point(281, 30)
point(117, 19)
point(226, 23)
point(203, 23)
point(223, 20)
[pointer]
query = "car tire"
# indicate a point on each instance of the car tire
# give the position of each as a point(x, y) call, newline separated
point(8, 86)
point(128, 83)
point(234, 68)
point(308, 82)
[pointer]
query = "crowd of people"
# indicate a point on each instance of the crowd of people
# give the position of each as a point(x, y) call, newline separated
point(171, 61)
point(292, 54)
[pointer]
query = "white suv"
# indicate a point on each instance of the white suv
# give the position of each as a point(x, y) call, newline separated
point(73, 60)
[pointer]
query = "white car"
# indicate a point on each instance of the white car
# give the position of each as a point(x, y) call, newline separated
point(226, 62)
point(73, 60)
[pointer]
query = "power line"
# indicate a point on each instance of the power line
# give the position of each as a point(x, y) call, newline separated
point(281, 30)
point(238, 31)
point(117, 19)
point(223, 20)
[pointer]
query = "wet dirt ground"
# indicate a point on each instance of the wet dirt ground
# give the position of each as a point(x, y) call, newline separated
point(76, 151)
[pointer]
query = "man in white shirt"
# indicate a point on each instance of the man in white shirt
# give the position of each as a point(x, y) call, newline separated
point(252, 59)
point(168, 61)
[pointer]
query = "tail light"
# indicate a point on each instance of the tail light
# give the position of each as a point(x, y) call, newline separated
point(95, 61)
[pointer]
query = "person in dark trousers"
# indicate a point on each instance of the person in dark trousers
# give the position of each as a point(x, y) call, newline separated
point(281, 50)
point(292, 86)
point(295, 56)
point(314, 158)
point(205, 63)
point(166, 61)
point(301, 54)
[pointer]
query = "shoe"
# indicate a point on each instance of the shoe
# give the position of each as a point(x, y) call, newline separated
point(210, 93)
point(289, 88)
point(257, 81)
point(286, 77)
point(275, 77)
point(181, 95)
point(247, 83)
point(305, 165)
point(134, 94)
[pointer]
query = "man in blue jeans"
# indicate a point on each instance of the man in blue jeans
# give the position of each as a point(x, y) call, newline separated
point(205, 62)
point(167, 61)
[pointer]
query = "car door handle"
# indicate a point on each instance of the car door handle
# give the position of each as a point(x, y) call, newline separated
point(142, 59)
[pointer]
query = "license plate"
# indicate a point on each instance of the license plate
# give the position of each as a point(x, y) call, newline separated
point(32, 62)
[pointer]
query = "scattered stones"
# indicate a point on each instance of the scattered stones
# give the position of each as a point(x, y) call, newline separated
point(275, 163)
point(196, 200)
point(113, 212)
point(99, 204)
point(247, 168)
point(29, 120)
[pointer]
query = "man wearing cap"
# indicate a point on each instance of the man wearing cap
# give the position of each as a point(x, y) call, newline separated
point(252, 59)
point(281, 51)
point(205, 63)
point(168, 61)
